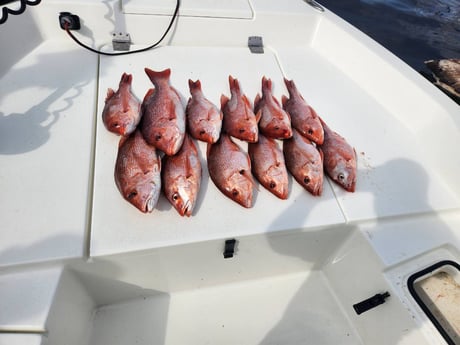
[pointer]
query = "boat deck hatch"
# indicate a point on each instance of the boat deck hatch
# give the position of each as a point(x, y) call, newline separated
point(437, 291)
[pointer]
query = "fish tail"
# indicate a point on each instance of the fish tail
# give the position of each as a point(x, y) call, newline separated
point(284, 100)
point(266, 85)
point(154, 75)
point(291, 87)
point(234, 84)
point(126, 79)
point(194, 85)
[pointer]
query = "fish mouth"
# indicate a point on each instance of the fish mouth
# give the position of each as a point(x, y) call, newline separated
point(187, 209)
point(149, 205)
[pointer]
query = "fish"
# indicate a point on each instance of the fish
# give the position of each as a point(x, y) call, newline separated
point(181, 177)
point(122, 109)
point(274, 121)
point(268, 166)
point(137, 172)
point(303, 117)
point(304, 162)
point(239, 119)
point(204, 119)
point(340, 161)
point(230, 169)
point(446, 73)
point(163, 119)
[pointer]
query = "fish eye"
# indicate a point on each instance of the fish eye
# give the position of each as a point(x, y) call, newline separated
point(272, 185)
point(310, 131)
point(175, 196)
point(202, 132)
point(157, 137)
point(116, 125)
point(132, 194)
point(341, 177)
point(306, 180)
point(235, 192)
point(241, 172)
point(277, 127)
point(241, 130)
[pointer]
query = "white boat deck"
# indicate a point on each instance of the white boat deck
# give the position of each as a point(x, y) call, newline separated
point(299, 264)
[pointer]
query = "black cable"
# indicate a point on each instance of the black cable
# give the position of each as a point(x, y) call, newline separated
point(22, 8)
point(131, 51)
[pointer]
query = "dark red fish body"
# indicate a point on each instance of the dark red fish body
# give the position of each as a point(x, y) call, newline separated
point(230, 170)
point(239, 119)
point(274, 121)
point(163, 119)
point(204, 119)
point(122, 109)
point(268, 166)
point(340, 161)
point(181, 177)
point(137, 172)
point(304, 162)
point(303, 116)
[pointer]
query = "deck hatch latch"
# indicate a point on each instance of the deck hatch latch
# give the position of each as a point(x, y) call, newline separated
point(229, 249)
point(256, 44)
point(371, 302)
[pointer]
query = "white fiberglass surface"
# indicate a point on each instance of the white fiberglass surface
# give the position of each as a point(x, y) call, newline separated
point(117, 226)
point(394, 177)
point(201, 8)
point(292, 309)
point(46, 132)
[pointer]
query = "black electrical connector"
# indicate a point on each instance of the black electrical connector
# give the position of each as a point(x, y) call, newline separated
point(69, 21)
point(229, 249)
point(22, 7)
point(371, 302)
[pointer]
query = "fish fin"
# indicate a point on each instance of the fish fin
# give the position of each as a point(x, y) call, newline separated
point(276, 101)
point(321, 155)
point(154, 75)
point(284, 100)
point(291, 87)
point(122, 140)
point(258, 115)
point(208, 150)
point(126, 79)
point(194, 85)
point(234, 84)
point(246, 100)
point(288, 83)
point(110, 93)
point(266, 85)
point(313, 112)
point(325, 126)
point(210, 111)
point(223, 101)
point(149, 94)
point(256, 101)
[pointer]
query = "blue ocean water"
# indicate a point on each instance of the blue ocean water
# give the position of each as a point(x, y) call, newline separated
point(414, 30)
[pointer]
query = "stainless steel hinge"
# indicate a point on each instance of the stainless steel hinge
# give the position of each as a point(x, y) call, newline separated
point(121, 41)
